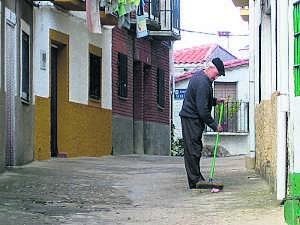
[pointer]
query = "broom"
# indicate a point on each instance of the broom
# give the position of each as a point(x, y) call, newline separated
point(216, 187)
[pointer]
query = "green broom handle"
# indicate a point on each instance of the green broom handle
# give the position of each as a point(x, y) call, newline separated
point(213, 162)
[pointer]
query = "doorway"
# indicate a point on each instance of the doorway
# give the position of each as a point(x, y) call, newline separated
point(138, 99)
point(59, 89)
point(53, 103)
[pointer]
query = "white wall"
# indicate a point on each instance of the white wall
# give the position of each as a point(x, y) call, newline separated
point(49, 18)
point(235, 144)
point(266, 60)
point(241, 76)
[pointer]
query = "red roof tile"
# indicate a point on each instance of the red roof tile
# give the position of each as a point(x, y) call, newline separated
point(194, 55)
point(228, 65)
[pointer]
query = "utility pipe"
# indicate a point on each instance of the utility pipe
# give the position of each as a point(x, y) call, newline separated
point(282, 104)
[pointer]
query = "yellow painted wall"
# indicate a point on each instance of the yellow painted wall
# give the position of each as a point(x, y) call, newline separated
point(83, 130)
point(42, 129)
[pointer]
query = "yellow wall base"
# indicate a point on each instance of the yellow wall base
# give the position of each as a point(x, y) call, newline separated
point(83, 130)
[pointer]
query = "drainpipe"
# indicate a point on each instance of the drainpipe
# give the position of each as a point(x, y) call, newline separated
point(283, 99)
point(251, 142)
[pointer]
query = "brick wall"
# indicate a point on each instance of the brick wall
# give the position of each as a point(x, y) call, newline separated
point(141, 102)
point(266, 139)
point(160, 59)
point(122, 42)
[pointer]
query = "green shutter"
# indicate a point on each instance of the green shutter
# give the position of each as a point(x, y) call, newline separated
point(297, 49)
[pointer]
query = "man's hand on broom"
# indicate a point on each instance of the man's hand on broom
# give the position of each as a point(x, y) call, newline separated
point(221, 100)
point(219, 128)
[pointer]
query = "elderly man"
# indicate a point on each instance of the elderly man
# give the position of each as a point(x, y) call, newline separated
point(195, 113)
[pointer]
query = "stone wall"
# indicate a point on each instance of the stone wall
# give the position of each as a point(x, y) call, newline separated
point(266, 139)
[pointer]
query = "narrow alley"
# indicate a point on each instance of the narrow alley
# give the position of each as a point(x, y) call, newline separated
point(133, 190)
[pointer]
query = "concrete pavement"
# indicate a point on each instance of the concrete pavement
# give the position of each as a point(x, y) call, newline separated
point(133, 190)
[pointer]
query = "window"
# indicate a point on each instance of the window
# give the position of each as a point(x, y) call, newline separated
point(95, 73)
point(122, 68)
point(225, 90)
point(160, 79)
point(296, 49)
point(25, 67)
point(231, 108)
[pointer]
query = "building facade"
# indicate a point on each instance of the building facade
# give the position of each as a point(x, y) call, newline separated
point(16, 108)
point(274, 30)
point(141, 82)
point(73, 85)
point(66, 92)
point(141, 107)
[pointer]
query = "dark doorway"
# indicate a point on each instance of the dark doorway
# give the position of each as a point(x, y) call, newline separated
point(53, 107)
point(138, 101)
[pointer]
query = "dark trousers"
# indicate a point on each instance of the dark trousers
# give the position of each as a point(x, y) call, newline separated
point(192, 130)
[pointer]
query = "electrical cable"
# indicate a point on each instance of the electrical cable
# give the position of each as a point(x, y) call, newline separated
point(215, 34)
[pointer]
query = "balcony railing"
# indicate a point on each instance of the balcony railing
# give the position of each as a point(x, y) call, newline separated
point(151, 10)
point(163, 18)
point(169, 18)
point(235, 117)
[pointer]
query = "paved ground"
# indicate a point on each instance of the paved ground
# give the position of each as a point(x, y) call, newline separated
point(133, 190)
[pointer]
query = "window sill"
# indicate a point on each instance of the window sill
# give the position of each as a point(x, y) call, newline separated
point(123, 98)
point(25, 101)
point(95, 103)
point(161, 108)
point(226, 134)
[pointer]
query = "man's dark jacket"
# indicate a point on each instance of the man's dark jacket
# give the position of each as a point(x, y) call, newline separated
point(198, 101)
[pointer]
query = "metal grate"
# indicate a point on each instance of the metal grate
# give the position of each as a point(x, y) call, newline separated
point(297, 48)
point(170, 15)
point(235, 117)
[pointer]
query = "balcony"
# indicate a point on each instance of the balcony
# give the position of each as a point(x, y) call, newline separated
point(169, 18)
point(163, 19)
point(151, 12)
point(72, 5)
point(240, 3)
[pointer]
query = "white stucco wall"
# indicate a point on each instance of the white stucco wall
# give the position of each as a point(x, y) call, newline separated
point(236, 144)
point(230, 142)
point(266, 58)
point(241, 76)
point(46, 18)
